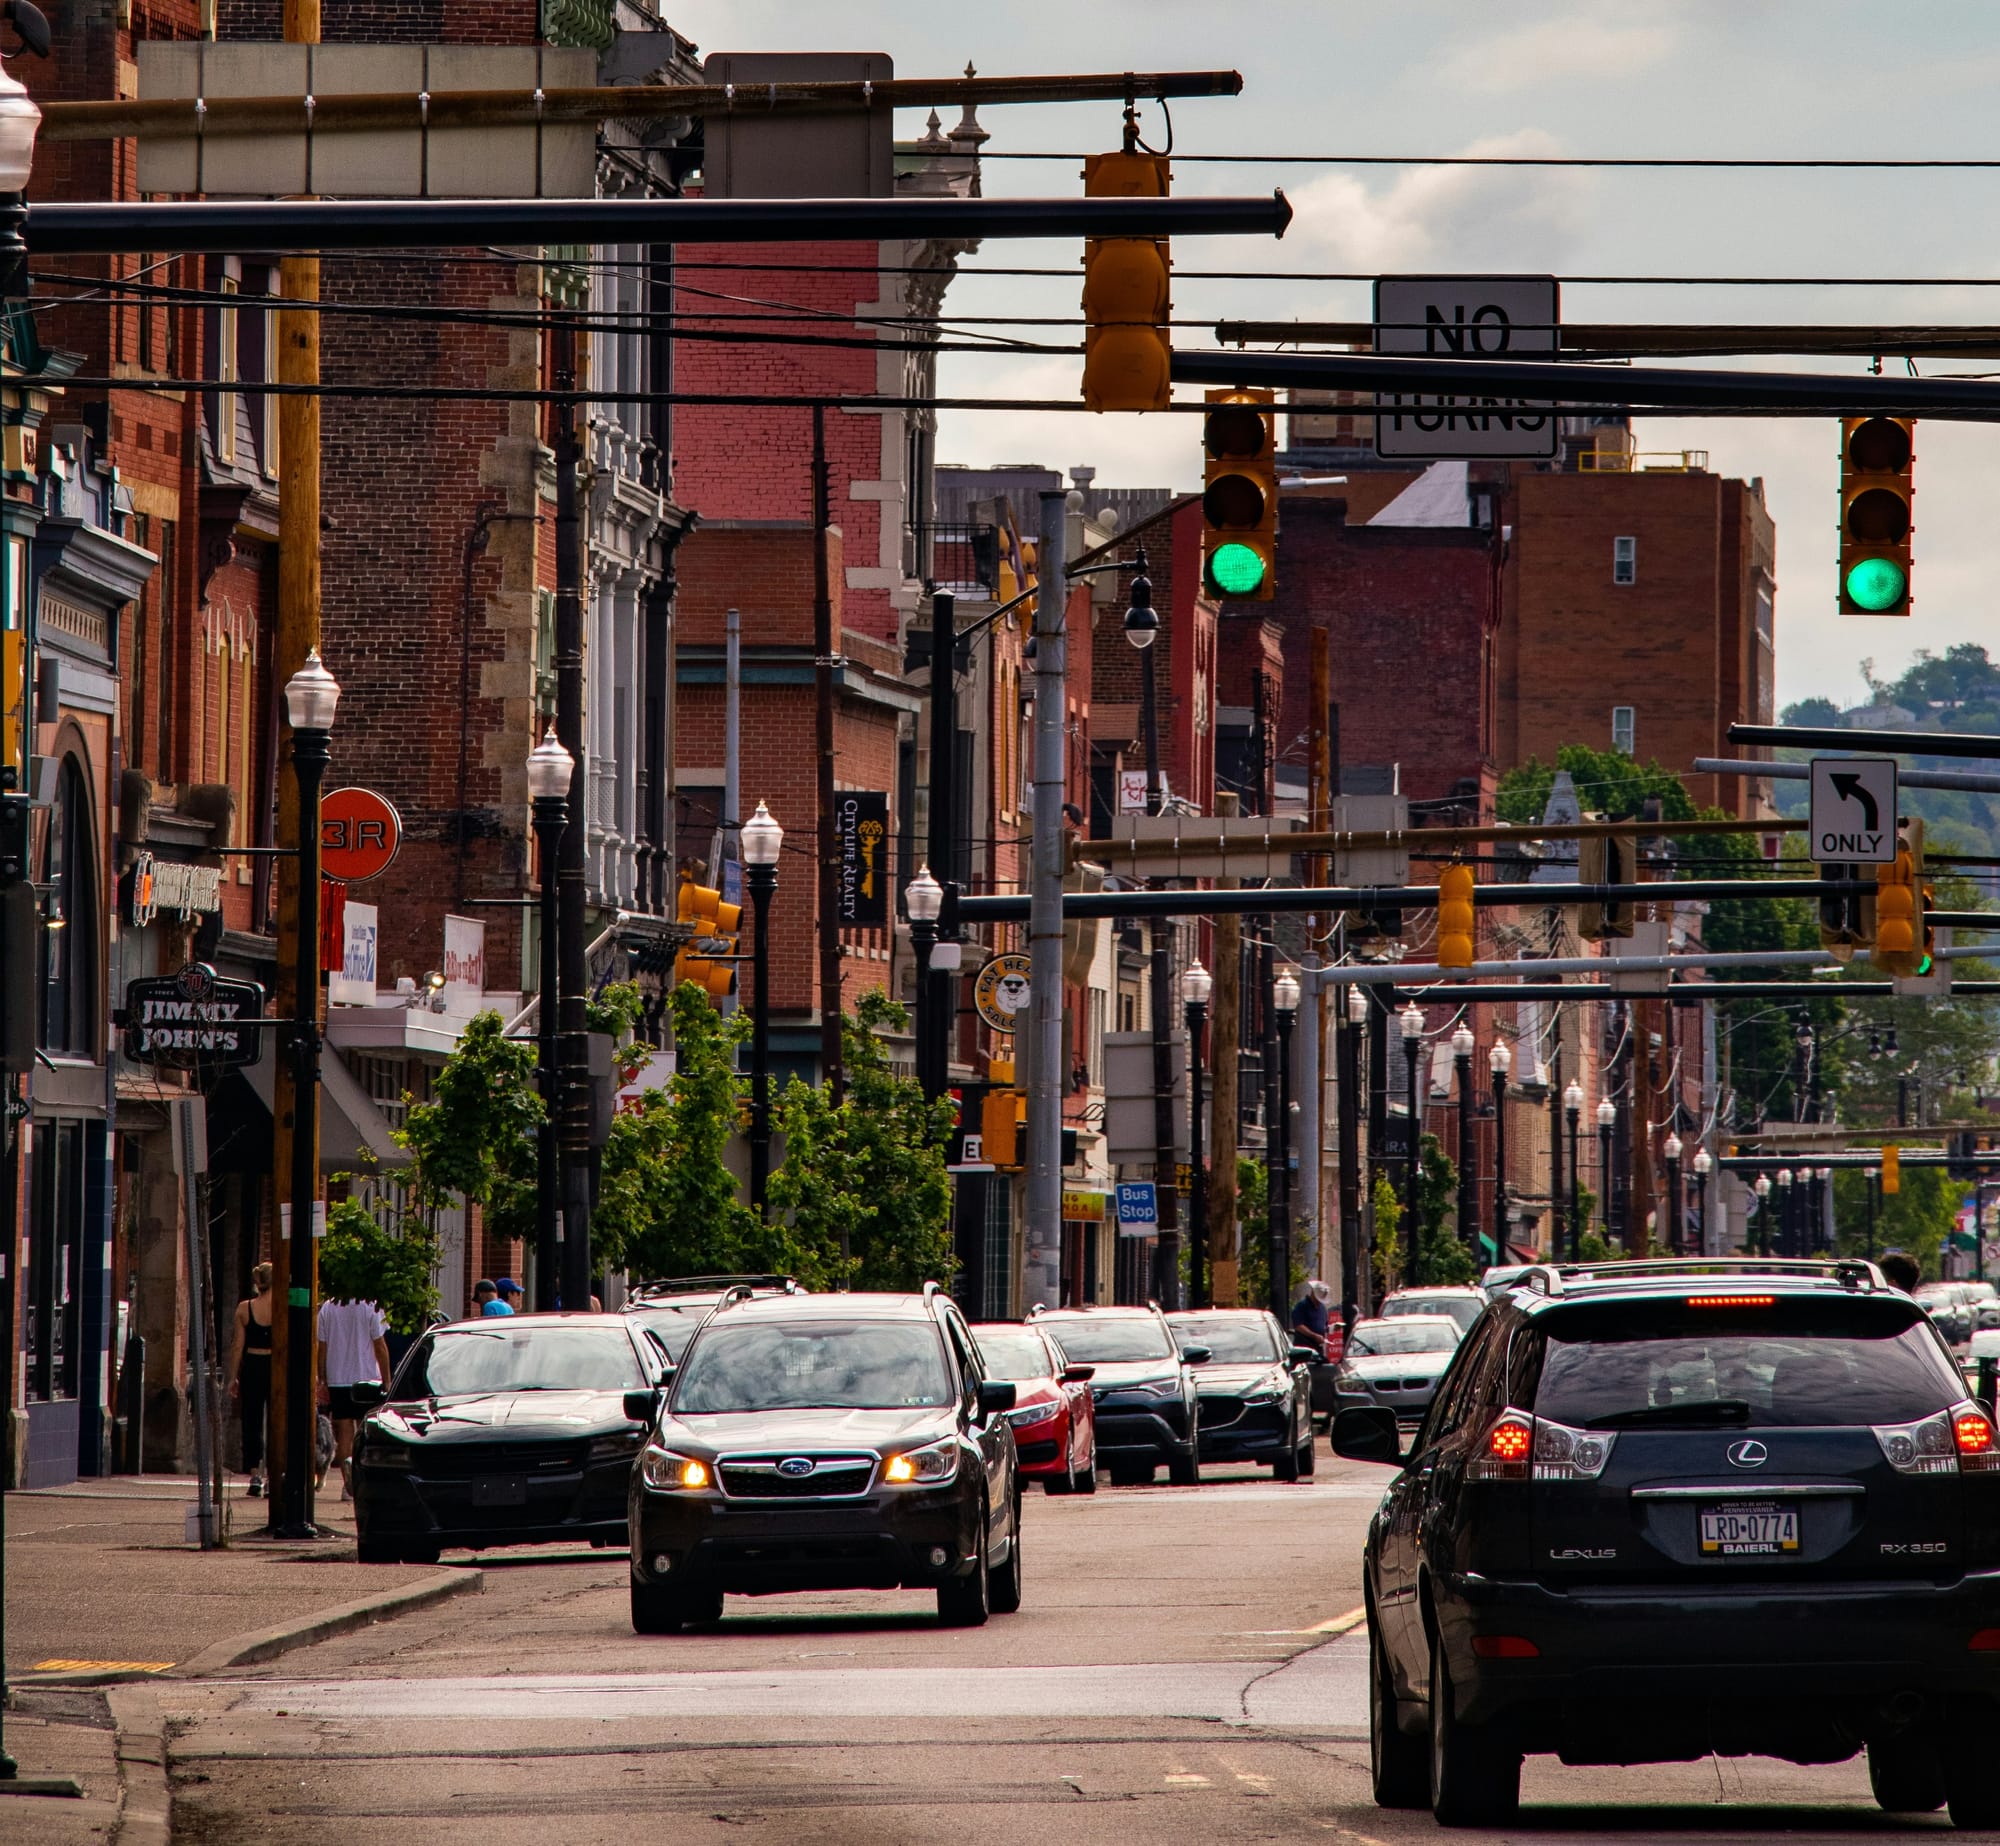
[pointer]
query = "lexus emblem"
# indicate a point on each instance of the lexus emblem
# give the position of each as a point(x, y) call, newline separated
point(797, 1465)
point(1751, 1454)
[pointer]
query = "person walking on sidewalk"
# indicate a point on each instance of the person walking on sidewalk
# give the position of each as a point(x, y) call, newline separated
point(250, 1372)
point(353, 1352)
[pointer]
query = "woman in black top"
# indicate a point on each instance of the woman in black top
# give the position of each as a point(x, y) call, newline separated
point(250, 1372)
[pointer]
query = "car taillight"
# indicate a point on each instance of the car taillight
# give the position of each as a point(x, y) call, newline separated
point(1984, 1641)
point(1565, 1454)
point(1972, 1431)
point(1955, 1441)
point(1508, 1445)
point(1505, 1647)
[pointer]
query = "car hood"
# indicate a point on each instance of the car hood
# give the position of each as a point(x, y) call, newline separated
point(513, 1415)
point(1213, 1380)
point(1112, 1376)
point(811, 1431)
point(1400, 1365)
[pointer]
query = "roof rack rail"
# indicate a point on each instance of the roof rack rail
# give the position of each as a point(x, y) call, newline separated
point(1540, 1279)
point(700, 1285)
point(1850, 1271)
point(730, 1296)
point(932, 1290)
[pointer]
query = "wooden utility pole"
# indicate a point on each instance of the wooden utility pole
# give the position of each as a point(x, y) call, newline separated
point(1319, 817)
point(1226, 1057)
point(826, 647)
point(293, 1259)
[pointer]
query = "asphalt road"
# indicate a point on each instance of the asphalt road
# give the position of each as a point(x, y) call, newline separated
point(1181, 1671)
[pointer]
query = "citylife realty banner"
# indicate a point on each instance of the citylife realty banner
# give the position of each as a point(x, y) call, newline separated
point(861, 833)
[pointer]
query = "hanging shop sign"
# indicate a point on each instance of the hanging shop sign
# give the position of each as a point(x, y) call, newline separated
point(156, 885)
point(861, 829)
point(193, 1020)
point(1001, 991)
point(360, 833)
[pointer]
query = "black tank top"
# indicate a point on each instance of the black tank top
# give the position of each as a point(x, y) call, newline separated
point(256, 1339)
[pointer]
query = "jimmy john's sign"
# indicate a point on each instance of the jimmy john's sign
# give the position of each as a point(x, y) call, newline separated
point(193, 1020)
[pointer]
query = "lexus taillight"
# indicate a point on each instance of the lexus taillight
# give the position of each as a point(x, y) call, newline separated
point(1972, 1432)
point(1955, 1441)
point(1564, 1454)
point(1509, 1443)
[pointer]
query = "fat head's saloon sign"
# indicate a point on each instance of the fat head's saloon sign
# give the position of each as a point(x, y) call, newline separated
point(861, 826)
point(193, 1020)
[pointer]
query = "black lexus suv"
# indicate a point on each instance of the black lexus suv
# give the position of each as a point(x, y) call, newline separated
point(1659, 1510)
point(826, 1442)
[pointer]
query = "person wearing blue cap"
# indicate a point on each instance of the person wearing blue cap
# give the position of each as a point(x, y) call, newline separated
point(510, 1294)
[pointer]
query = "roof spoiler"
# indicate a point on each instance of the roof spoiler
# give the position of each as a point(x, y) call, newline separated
point(1851, 1272)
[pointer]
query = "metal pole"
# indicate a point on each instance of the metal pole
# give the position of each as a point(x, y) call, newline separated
point(1280, 1181)
point(550, 818)
point(1347, 1048)
point(730, 833)
point(1306, 1126)
point(763, 882)
point(923, 938)
point(1160, 984)
point(933, 1008)
point(1042, 1269)
point(1676, 1229)
point(1604, 1181)
point(825, 663)
point(1411, 1049)
point(1557, 1212)
point(1499, 1166)
point(1468, 1208)
point(1577, 1227)
point(1197, 1245)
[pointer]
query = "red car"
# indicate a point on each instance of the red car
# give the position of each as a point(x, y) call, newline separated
point(1055, 1424)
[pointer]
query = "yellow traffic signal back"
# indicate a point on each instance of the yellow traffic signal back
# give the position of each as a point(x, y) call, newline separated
point(1892, 1168)
point(715, 925)
point(1901, 930)
point(1126, 299)
point(999, 1116)
point(1239, 502)
point(1606, 860)
point(1456, 922)
point(1846, 923)
point(1877, 514)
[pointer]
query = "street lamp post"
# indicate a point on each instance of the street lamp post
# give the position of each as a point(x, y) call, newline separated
point(1874, 1179)
point(1760, 1238)
point(1499, 1061)
point(923, 900)
point(1349, 1046)
point(1823, 1227)
point(1461, 1056)
point(761, 840)
point(1784, 1211)
point(1573, 1110)
point(551, 770)
point(311, 697)
point(1411, 1022)
point(1196, 986)
point(1676, 1230)
point(1607, 1119)
point(1704, 1164)
point(1278, 1217)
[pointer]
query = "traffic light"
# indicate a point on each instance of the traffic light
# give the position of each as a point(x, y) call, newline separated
point(1892, 1169)
point(715, 936)
point(1876, 514)
point(1126, 300)
point(1239, 502)
point(1456, 924)
point(1902, 928)
point(999, 1116)
point(1606, 859)
point(1846, 923)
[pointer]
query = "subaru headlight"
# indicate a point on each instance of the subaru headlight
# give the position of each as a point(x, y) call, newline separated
point(930, 1466)
point(1034, 1413)
point(671, 1473)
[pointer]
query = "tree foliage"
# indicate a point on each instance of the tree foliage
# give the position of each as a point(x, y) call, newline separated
point(361, 1259)
point(1385, 1246)
point(1918, 1217)
point(1441, 1257)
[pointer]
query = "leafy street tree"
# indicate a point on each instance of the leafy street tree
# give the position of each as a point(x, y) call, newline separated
point(1917, 1218)
point(1441, 1257)
point(361, 1259)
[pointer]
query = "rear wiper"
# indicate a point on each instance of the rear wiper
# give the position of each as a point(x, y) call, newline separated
point(1691, 1416)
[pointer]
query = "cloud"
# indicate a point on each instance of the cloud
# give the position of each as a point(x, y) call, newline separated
point(1580, 44)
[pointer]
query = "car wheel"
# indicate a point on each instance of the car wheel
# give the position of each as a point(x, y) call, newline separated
point(1907, 1774)
point(377, 1550)
point(1399, 1765)
point(1060, 1483)
point(1286, 1466)
point(1185, 1470)
point(661, 1608)
point(1086, 1482)
point(1003, 1590)
point(963, 1601)
point(1308, 1455)
point(1970, 1788)
point(421, 1554)
point(1475, 1776)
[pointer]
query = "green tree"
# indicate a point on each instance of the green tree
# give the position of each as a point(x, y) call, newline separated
point(361, 1259)
point(867, 1176)
point(1253, 1219)
point(1917, 1217)
point(476, 1134)
point(1441, 1257)
point(1385, 1247)
point(1607, 782)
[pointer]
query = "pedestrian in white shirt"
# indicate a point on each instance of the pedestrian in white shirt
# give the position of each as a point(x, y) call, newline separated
point(352, 1351)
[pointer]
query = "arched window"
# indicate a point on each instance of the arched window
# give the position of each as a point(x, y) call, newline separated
point(69, 942)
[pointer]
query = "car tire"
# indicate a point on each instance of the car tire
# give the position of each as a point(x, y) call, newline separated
point(1475, 1774)
point(1971, 1792)
point(421, 1554)
point(965, 1602)
point(1285, 1467)
point(1003, 1587)
point(1906, 1773)
point(1398, 1765)
point(1086, 1482)
point(1184, 1470)
point(377, 1550)
point(660, 1608)
point(1060, 1483)
point(1308, 1456)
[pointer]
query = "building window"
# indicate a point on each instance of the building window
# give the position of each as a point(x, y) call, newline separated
point(51, 1328)
point(69, 941)
point(227, 372)
point(1624, 728)
point(1624, 560)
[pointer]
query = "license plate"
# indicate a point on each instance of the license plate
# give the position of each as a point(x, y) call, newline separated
point(500, 1490)
point(1748, 1531)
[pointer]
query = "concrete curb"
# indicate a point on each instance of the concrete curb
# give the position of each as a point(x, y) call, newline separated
point(268, 1643)
point(145, 1798)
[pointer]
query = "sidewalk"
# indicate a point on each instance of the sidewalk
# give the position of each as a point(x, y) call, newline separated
point(102, 1586)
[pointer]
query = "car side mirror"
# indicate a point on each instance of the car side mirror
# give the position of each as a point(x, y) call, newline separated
point(1368, 1434)
point(996, 1396)
point(644, 1406)
point(1305, 1355)
point(1078, 1374)
point(1197, 1355)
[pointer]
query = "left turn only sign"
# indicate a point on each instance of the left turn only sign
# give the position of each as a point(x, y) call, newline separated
point(1853, 817)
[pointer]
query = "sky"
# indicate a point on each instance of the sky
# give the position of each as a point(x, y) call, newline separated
point(1797, 79)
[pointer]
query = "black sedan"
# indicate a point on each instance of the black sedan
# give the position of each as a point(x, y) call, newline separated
point(505, 1431)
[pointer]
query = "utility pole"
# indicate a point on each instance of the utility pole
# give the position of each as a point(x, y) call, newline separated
point(293, 1422)
point(1347, 1046)
point(1226, 1065)
point(1042, 1270)
point(825, 664)
point(938, 1018)
point(572, 944)
point(1319, 810)
point(1556, 1150)
point(1159, 980)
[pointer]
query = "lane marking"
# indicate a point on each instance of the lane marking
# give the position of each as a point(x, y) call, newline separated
point(1340, 1624)
point(101, 1666)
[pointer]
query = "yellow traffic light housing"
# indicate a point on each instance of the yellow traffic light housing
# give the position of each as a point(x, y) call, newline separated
point(1457, 925)
point(1239, 502)
point(1902, 930)
point(715, 925)
point(1000, 1116)
point(1892, 1168)
point(1127, 303)
point(1606, 859)
point(1877, 514)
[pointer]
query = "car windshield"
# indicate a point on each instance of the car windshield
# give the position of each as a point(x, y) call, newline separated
point(813, 1365)
point(1013, 1354)
point(1373, 1338)
point(672, 1327)
point(1464, 1309)
point(509, 1354)
point(1231, 1339)
point(1090, 1340)
point(1797, 1364)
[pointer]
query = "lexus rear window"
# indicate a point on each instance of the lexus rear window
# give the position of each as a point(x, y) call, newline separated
point(1804, 1363)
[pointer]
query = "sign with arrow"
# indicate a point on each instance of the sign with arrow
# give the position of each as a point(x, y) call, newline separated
point(1854, 810)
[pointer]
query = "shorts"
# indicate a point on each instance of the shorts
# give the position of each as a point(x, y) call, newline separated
point(350, 1403)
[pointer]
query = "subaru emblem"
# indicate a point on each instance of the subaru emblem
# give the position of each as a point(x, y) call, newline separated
point(796, 1466)
point(1750, 1454)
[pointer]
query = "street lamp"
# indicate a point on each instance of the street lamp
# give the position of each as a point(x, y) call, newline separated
point(1607, 1119)
point(1349, 1045)
point(1499, 1061)
point(1784, 1211)
point(1675, 1229)
point(20, 121)
point(1462, 1043)
point(1573, 1109)
point(551, 772)
point(761, 840)
point(1874, 1179)
point(312, 695)
point(1196, 986)
point(1704, 1164)
point(1411, 1022)
point(923, 901)
point(1278, 1213)
point(1762, 1238)
point(1822, 1205)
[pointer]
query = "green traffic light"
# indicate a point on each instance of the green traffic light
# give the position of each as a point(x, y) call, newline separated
point(1877, 583)
point(1235, 569)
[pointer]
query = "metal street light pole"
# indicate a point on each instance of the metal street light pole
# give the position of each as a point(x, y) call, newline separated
point(1573, 1109)
point(1704, 1164)
point(1874, 1179)
point(551, 769)
point(1759, 1239)
point(1823, 1228)
point(1676, 1230)
point(923, 900)
point(1462, 1044)
point(761, 839)
point(1196, 986)
point(1558, 1194)
point(1499, 1061)
point(1278, 1185)
point(1411, 1023)
point(1784, 1211)
point(1347, 1044)
point(311, 697)
point(1607, 1119)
